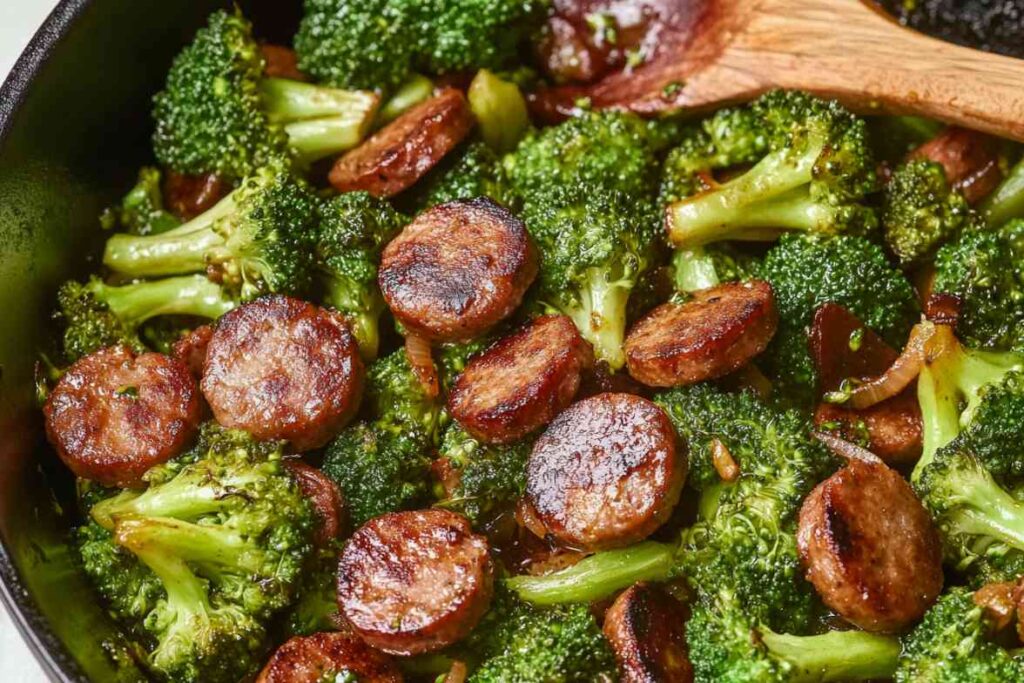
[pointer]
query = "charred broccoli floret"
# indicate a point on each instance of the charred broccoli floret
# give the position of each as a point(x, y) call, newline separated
point(219, 114)
point(817, 168)
point(258, 239)
point(921, 211)
point(354, 229)
point(197, 562)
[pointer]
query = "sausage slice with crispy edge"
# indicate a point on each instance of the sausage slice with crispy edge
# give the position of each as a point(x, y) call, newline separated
point(870, 548)
point(457, 269)
point(329, 657)
point(281, 368)
point(522, 382)
point(647, 630)
point(328, 503)
point(191, 349)
point(402, 152)
point(606, 472)
point(716, 332)
point(413, 582)
point(115, 414)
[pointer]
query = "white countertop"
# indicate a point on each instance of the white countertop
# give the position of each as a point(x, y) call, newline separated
point(19, 20)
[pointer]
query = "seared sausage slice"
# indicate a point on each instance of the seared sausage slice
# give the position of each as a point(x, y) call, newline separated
point(328, 503)
point(187, 196)
point(969, 158)
point(457, 269)
point(191, 349)
point(522, 382)
point(412, 582)
point(115, 414)
point(647, 630)
point(402, 152)
point(893, 427)
point(869, 548)
point(281, 368)
point(714, 333)
point(606, 473)
point(329, 657)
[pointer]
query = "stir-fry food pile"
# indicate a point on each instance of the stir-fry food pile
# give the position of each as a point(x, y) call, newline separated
point(388, 376)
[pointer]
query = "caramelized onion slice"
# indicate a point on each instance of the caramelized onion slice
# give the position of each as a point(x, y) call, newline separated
point(417, 350)
point(894, 380)
point(845, 449)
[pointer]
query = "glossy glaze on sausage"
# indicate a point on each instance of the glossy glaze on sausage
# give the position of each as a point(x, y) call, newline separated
point(646, 628)
point(329, 657)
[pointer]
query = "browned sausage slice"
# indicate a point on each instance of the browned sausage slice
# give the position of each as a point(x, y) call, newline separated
point(606, 473)
point(843, 347)
point(329, 657)
point(522, 382)
point(402, 152)
point(893, 428)
point(412, 582)
point(191, 349)
point(281, 62)
point(281, 368)
point(969, 158)
point(647, 630)
point(457, 269)
point(326, 497)
point(869, 548)
point(717, 331)
point(115, 414)
point(187, 196)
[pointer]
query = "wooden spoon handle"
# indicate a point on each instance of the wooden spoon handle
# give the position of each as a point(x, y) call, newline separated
point(852, 52)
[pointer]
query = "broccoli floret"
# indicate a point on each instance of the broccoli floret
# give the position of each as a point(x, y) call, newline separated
point(817, 169)
point(354, 228)
point(984, 270)
point(381, 463)
point(726, 646)
point(921, 211)
point(316, 608)
point(953, 645)
point(258, 239)
point(452, 357)
point(96, 315)
point(805, 272)
point(141, 211)
point(588, 195)
point(219, 114)
point(519, 643)
point(474, 171)
point(491, 477)
point(210, 550)
point(1007, 201)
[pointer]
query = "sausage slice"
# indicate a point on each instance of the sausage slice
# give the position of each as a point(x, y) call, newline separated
point(188, 196)
point(115, 414)
point(457, 269)
point(402, 152)
point(969, 158)
point(281, 368)
point(647, 630)
point(522, 382)
point(412, 582)
point(606, 473)
point(716, 332)
point(329, 657)
point(191, 349)
point(328, 503)
point(869, 548)
point(893, 428)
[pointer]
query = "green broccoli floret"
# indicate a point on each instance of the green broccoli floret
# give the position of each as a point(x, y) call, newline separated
point(354, 229)
point(953, 644)
point(984, 270)
point(805, 272)
point(141, 211)
point(519, 643)
point(452, 357)
point(474, 171)
point(921, 211)
point(817, 169)
point(219, 114)
point(587, 189)
point(258, 239)
point(210, 550)
point(491, 477)
point(96, 315)
point(381, 463)
point(316, 608)
point(1007, 201)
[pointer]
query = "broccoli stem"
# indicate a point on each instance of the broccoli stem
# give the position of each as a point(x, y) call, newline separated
point(983, 508)
point(362, 307)
point(186, 295)
point(1007, 201)
point(834, 656)
point(210, 547)
point(694, 270)
point(416, 89)
point(182, 250)
point(601, 315)
point(598, 576)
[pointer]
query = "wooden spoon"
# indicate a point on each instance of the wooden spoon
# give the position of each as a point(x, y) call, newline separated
point(715, 52)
